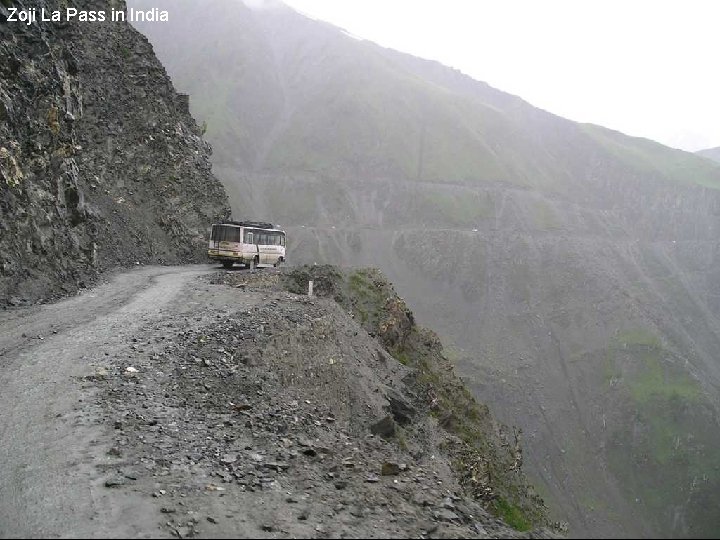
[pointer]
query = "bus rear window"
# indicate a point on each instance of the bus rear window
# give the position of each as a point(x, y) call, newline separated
point(225, 233)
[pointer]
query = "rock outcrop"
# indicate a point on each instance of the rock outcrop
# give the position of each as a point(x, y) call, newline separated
point(101, 163)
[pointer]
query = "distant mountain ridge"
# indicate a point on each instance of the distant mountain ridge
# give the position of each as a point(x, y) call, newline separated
point(282, 119)
point(573, 268)
point(712, 153)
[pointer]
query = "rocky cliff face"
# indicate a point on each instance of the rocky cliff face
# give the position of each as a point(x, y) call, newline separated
point(101, 163)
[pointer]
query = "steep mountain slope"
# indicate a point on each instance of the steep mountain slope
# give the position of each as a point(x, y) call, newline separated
point(100, 161)
point(712, 153)
point(574, 268)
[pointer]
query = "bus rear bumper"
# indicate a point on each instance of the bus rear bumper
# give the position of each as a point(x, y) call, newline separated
point(221, 255)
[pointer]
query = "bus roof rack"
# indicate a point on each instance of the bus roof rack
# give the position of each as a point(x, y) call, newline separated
point(257, 224)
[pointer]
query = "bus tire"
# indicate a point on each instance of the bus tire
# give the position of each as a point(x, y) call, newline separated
point(227, 264)
point(279, 262)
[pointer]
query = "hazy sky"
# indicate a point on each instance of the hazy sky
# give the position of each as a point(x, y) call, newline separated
point(645, 67)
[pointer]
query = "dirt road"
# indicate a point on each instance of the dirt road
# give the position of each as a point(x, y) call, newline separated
point(51, 440)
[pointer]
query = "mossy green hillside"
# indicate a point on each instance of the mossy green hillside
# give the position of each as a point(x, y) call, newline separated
point(652, 158)
point(665, 449)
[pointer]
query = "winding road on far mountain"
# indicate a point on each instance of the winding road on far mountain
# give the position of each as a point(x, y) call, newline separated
point(52, 445)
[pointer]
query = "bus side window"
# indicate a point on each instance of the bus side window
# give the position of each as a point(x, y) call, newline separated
point(249, 238)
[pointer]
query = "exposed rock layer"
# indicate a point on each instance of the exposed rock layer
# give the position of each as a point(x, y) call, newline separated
point(101, 163)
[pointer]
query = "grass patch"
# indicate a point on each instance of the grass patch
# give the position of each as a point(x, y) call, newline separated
point(455, 209)
point(652, 378)
point(512, 515)
point(661, 447)
point(638, 336)
point(656, 382)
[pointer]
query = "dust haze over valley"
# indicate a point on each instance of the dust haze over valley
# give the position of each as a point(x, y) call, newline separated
point(573, 269)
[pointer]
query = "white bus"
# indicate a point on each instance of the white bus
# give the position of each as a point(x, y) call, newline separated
point(247, 242)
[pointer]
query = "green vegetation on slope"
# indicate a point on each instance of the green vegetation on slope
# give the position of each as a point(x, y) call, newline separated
point(285, 94)
point(650, 158)
point(392, 125)
point(665, 449)
point(455, 210)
